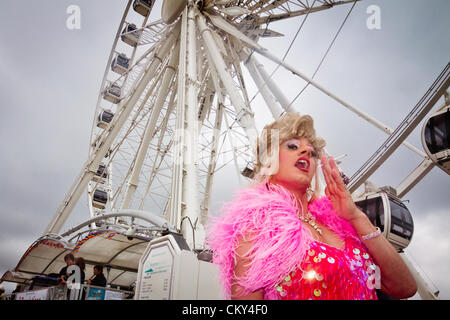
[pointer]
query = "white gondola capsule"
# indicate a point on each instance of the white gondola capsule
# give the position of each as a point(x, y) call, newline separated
point(130, 35)
point(248, 172)
point(104, 118)
point(388, 213)
point(143, 7)
point(436, 138)
point(113, 93)
point(100, 198)
point(120, 64)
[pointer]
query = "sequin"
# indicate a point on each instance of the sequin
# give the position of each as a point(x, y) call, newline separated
point(357, 257)
point(365, 256)
point(341, 277)
point(310, 274)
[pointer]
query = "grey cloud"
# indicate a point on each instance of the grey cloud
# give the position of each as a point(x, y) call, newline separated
point(51, 77)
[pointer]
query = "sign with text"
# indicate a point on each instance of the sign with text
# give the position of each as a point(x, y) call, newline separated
point(33, 295)
point(96, 294)
point(156, 273)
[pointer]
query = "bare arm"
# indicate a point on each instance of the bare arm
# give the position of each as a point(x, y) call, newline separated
point(396, 279)
point(240, 269)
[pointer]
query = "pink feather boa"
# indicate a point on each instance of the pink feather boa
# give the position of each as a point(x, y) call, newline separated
point(269, 218)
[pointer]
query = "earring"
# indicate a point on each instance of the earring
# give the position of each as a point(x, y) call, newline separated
point(309, 192)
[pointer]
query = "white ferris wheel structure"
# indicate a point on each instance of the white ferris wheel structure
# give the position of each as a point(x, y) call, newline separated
point(174, 100)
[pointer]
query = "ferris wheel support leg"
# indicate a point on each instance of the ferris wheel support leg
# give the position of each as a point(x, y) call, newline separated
point(212, 163)
point(190, 212)
point(271, 84)
point(262, 87)
point(245, 118)
point(422, 287)
point(150, 128)
point(414, 177)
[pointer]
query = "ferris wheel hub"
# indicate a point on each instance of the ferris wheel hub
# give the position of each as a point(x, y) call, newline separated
point(170, 10)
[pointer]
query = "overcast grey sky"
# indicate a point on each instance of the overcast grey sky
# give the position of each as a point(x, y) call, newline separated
point(50, 77)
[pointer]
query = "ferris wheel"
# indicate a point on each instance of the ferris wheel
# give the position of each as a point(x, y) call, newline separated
point(174, 109)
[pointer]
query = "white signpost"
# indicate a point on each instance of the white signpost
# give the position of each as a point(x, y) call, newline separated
point(168, 270)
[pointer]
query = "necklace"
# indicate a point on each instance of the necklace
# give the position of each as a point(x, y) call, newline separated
point(311, 221)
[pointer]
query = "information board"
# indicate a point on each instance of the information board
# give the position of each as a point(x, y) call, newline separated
point(156, 274)
point(41, 294)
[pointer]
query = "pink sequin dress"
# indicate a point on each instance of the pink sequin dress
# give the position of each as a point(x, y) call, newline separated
point(286, 261)
point(329, 273)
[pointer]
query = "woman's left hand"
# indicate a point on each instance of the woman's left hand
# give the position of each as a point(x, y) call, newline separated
point(336, 190)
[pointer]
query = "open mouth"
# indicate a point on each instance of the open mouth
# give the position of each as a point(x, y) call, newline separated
point(302, 164)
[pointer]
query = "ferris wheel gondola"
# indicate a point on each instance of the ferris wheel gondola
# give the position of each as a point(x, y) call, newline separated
point(436, 138)
point(104, 118)
point(101, 175)
point(100, 198)
point(113, 93)
point(387, 212)
point(143, 7)
point(130, 35)
point(120, 64)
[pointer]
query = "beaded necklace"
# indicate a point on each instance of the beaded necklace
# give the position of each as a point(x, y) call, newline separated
point(311, 221)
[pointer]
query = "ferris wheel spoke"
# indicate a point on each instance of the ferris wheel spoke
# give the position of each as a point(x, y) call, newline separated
point(245, 118)
point(141, 111)
point(269, 99)
point(290, 13)
point(155, 169)
point(161, 152)
point(235, 61)
point(152, 33)
point(150, 127)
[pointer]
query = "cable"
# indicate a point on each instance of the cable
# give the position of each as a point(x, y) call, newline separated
point(324, 56)
point(288, 49)
point(192, 226)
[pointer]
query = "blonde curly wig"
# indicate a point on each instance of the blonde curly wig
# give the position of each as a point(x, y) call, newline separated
point(288, 126)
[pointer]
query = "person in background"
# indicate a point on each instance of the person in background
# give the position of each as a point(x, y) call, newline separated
point(98, 279)
point(69, 259)
point(2, 293)
point(82, 265)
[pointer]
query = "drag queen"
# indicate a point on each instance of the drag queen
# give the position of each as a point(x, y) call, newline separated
point(279, 239)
